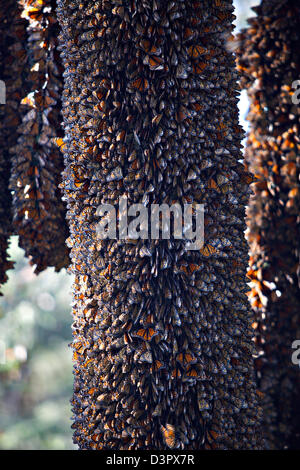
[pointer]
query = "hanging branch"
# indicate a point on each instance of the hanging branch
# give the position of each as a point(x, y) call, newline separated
point(39, 213)
point(13, 88)
point(162, 335)
point(269, 59)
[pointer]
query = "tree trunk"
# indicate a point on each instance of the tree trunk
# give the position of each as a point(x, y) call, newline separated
point(269, 58)
point(162, 335)
point(37, 162)
point(13, 89)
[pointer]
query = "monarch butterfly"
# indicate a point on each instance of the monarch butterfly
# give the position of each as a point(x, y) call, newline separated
point(59, 142)
point(182, 114)
point(186, 359)
point(80, 348)
point(212, 184)
point(221, 188)
point(146, 334)
point(208, 250)
point(96, 437)
point(120, 136)
point(141, 84)
point(28, 101)
point(289, 169)
point(99, 94)
point(176, 373)
point(247, 178)
point(192, 373)
point(155, 63)
point(194, 267)
point(150, 49)
point(188, 33)
point(169, 435)
point(197, 106)
point(146, 357)
point(196, 51)
point(87, 362)
point(157, 365)
point(199, 67)
point(75, 356)
point(36, 14)
point(149, 320)
point(45, 100)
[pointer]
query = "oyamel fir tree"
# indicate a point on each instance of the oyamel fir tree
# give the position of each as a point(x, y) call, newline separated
point(30, 120)
point(36, 161)
point(269, 59)
point(12, 70)
point(162, 335)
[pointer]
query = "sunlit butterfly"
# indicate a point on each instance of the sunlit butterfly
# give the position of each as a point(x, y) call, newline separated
point(169, 435)
point(208, 250)
point(59, 142)
point(146, 334)
point(35, 14)
point(28, 101)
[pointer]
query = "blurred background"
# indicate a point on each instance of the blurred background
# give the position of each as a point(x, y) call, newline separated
point(35, 330)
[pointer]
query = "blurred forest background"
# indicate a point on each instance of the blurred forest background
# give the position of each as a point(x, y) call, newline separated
point(35, 330)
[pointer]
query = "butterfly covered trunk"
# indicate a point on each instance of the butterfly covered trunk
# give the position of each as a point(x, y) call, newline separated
point(36, 162)
point(161, 335)
point(13, 67)
point(269, 59)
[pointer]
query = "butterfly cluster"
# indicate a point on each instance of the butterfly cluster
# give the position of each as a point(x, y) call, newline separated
point(12, 73)
point(269, 60)
point(36, 160)
point(161, 335)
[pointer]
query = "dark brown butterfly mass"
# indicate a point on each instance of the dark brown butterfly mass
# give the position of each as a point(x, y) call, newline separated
point(269, 59)
point(37, 162)
point(162, 335)
point(12, 76)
